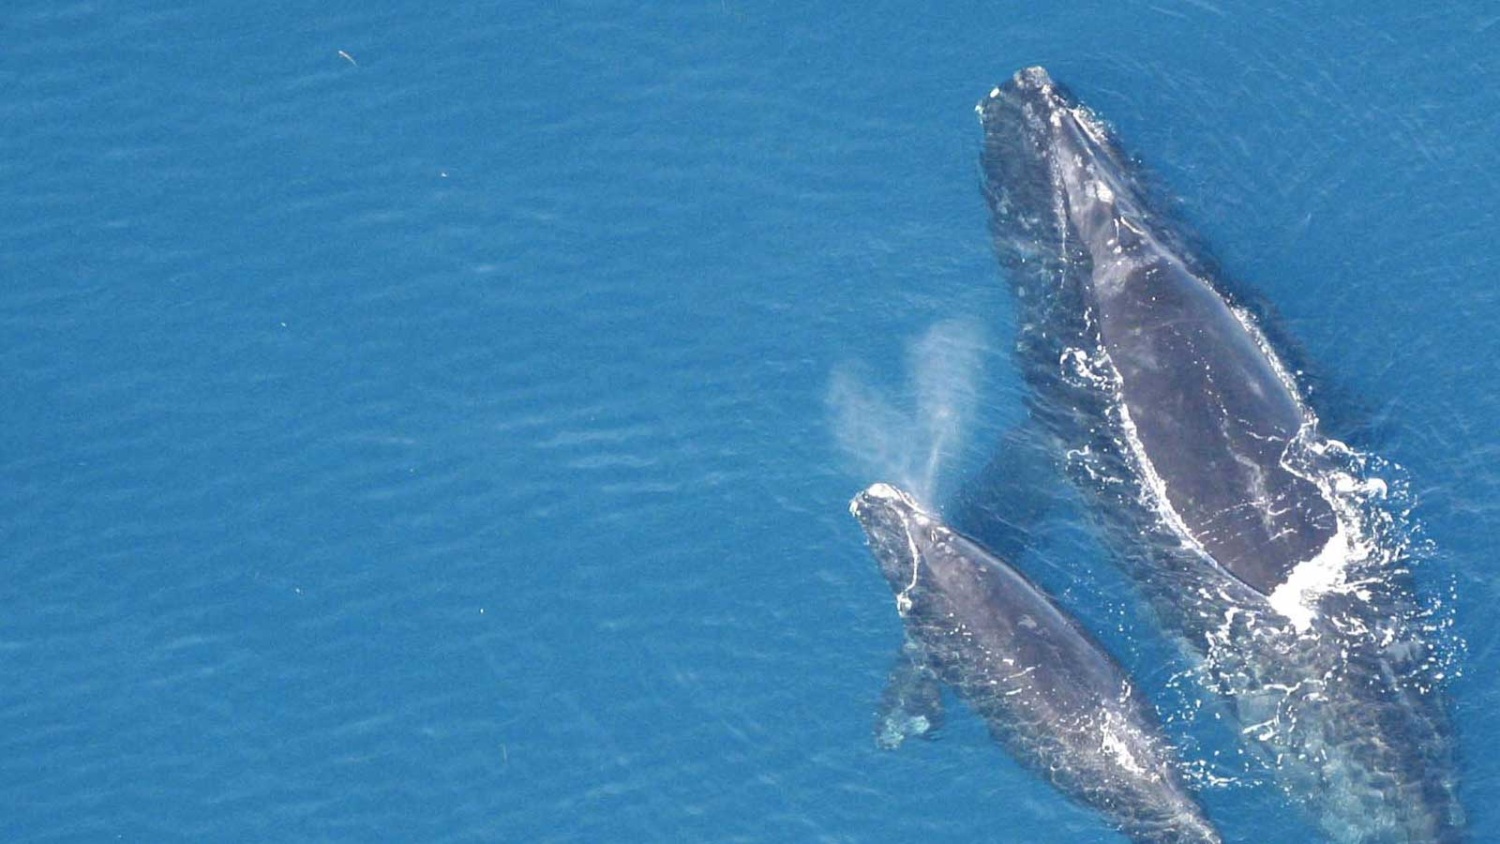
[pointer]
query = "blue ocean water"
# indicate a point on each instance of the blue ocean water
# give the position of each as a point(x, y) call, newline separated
point(417, 421)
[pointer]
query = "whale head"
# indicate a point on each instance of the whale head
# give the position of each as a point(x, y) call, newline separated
point(1055, 176)
point(895, 526)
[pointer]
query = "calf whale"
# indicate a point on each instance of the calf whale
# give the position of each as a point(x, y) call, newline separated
point(1048, 692)
point(1259, 541)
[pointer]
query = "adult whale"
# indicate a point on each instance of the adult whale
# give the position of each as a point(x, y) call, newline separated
point(1258, 541)
point(1049, 693)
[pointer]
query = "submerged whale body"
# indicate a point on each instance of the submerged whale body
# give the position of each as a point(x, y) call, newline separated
point(1248, 531)
point(1047, 690)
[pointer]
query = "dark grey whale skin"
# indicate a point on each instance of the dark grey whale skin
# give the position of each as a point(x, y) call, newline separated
point(1125, 336)
point(1207, 403)
point(1048, 692)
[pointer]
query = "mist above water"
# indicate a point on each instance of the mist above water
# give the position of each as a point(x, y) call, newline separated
point(908, 439)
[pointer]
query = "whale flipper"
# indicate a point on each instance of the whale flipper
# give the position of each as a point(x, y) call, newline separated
point(912, 704)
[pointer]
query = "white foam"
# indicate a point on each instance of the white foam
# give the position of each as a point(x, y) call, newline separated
point(1297, 598)
point(1115, 746)
point(1114, 732)
point(1154, 484)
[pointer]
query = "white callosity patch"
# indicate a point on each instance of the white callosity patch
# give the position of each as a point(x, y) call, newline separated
point(915, 517)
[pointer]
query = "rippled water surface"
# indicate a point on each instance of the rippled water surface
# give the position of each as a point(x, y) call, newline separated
point(418, 421)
